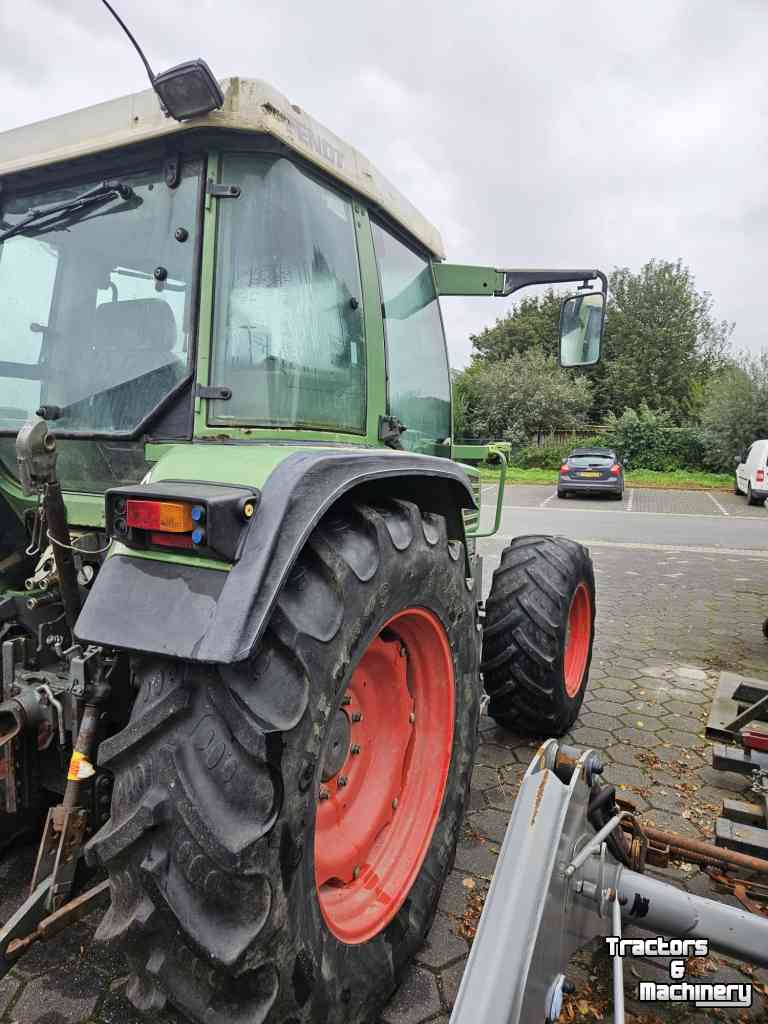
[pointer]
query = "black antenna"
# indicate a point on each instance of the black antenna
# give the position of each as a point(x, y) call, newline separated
point(131, 36)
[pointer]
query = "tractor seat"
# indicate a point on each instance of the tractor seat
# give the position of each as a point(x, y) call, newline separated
point(130, 340)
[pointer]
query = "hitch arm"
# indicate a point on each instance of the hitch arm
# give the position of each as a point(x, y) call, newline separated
point(557, 886)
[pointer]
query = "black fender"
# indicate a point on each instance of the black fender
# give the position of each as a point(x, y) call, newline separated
point(218, 617)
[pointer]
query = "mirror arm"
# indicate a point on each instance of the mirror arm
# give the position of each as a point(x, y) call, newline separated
point(514, 280)
point(466, 280)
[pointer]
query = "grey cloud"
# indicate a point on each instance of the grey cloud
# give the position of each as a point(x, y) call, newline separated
point(601, 134)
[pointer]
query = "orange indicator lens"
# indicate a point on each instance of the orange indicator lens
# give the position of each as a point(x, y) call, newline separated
point(168, 516)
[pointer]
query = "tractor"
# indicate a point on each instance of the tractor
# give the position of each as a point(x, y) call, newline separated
point(243, 634)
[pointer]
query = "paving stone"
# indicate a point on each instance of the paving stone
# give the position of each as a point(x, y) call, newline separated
point(416, 1000)
point(586, 737)
point(642, 738)
point(626, 775)
point(595, 721)
point(443, 945)
point(493, 756)
point(9, 989)
point(451, 979)
point(483, 778)
point(606, 708)
point(59, 997)
point(610, 694)
point(502, 798)
point(620, 753)
point(476, 800)
point(490, 823)
point(477, 857)
point(689, 672)
point(453, 899)
point(679, 738)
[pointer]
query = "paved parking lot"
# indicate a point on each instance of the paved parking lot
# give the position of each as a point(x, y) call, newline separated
point(671, 615)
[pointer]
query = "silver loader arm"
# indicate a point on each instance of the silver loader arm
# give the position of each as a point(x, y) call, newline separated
point(556, 886)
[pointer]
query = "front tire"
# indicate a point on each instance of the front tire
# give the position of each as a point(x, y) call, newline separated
point(247, 882)
point(538, 635)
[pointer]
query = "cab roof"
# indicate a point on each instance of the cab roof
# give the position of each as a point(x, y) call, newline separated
point(250, 106)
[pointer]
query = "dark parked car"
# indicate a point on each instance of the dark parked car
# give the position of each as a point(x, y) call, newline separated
point(591, 470)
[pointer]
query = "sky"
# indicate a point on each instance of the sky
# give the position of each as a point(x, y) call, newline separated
point(553, 134)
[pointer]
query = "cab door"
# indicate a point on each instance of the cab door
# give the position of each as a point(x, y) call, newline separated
point(418, 377)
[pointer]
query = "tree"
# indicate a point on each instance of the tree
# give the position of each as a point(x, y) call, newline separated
point(531, 323)
point(661, 346)
point(513, 398)
point(735, 411)
point(661, 342)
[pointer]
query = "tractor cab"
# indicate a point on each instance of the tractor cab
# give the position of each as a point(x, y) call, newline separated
point(246, 275)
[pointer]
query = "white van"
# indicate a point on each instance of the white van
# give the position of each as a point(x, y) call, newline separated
point(752, 473)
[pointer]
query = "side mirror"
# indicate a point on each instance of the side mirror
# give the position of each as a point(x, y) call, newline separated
point(581, 329)
point(739, 459)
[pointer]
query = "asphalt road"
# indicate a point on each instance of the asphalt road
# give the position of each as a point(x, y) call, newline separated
point(660, 520)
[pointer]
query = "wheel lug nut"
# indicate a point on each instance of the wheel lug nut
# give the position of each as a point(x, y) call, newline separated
point(357, 716)
point(355, 748)
point(342, 781)
point(324, 794)
point(412, 717)
point(394, 804)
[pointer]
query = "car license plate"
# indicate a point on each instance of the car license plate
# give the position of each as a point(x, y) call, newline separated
point(589, 473)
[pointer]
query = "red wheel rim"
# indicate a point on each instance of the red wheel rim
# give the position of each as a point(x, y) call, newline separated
point(391, 741)
point(577, 639)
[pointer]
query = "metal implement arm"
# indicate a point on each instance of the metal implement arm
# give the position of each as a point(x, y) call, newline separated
point(537, 914)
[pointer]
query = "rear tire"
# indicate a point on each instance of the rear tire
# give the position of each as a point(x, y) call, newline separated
point(538, 635)
point(751, 499)
point(562, 494)
point(213, 845)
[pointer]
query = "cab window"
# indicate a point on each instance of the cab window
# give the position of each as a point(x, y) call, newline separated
point(417, 361)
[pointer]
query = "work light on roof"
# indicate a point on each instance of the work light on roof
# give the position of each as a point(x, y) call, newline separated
point(186, 90)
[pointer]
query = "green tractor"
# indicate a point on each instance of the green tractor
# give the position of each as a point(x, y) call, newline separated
point(241, 610)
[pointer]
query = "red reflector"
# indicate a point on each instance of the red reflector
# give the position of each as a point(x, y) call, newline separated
point(173, 516)
point(754, 740)
point(563, 469)
point(615, 470)
point(171, 540)
point(760, 476)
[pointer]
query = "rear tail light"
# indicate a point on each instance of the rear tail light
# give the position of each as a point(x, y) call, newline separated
point(615, 469)
point(167, 516)
point(760, 476)
point(564, 469)
point(207, 519)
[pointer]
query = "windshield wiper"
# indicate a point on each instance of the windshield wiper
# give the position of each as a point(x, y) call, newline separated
point(100, 194)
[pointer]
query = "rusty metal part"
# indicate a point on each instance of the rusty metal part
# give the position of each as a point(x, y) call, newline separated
point(743, 889)
point(58, 533)
point(60, 849)
point(58, 920)
point(700, 852)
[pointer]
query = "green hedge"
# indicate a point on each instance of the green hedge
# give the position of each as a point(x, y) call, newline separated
point(642, 439)
point(550, 456)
